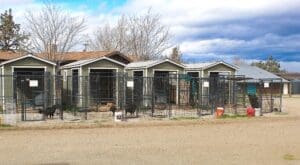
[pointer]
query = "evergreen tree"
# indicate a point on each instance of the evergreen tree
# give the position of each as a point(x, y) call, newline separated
point(10, 37)
point(271, 65)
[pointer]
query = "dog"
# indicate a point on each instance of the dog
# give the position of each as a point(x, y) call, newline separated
point(112, 107)
point(49, 111)
point(130, 108)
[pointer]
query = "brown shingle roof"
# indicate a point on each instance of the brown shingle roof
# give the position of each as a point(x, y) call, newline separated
point(7, 55)
point(69, 56)
point(76, 56)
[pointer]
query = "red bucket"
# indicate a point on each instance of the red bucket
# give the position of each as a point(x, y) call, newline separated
point(250, 112)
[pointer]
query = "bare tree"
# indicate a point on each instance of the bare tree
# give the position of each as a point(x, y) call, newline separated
point(144, 36)
point(111, 38)
point(54, 31)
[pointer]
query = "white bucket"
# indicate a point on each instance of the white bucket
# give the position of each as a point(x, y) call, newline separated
point(257, 111)
point(118, 116)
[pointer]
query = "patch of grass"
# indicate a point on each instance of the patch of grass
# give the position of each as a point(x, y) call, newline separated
point(184, 118)
point(289, 157)
point(281, 113)
point(101, 121)
point(5, 125)
point(232, 116)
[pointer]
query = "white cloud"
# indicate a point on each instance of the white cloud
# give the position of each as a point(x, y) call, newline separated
point(291, 66)
point(198, 25)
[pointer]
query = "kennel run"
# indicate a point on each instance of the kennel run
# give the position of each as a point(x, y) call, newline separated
point(168, 95)
point(95, 88)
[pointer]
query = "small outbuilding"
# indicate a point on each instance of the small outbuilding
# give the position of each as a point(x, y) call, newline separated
point(264, 89)
point(94, 81)
point(27, 79)
point(158, 76)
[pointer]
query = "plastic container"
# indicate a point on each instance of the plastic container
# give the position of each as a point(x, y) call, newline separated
point(250, 112)
point(257, 112)
point(219, 111)
point(118, 116)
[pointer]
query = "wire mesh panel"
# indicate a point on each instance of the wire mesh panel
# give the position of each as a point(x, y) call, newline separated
point(186, 91)
point(236, 94)
point(270, 91)
point(134, 97)
point(98, 95)
point(29, 95)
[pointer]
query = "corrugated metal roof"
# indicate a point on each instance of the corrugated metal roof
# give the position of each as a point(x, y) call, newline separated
point(77, 63)
point(206, 65)
point(256, 73)
point(142, 64)
point(88, 61)
point(150, 63)
point(198, 65)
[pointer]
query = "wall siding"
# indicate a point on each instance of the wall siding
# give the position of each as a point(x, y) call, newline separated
point(8, 82)
point(165, 66)
point(101, 64)
point(217, 68)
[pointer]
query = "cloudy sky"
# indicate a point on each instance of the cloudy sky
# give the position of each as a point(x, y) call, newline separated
point(204, 30)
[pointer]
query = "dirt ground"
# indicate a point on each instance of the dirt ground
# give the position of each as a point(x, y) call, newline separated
point(274, 139)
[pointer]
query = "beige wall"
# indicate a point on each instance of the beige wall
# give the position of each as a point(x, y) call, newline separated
point(130, 72)
point(27, 62)
point(219, 68)
point(105, 64)
point(7, 82)
point(165, 66)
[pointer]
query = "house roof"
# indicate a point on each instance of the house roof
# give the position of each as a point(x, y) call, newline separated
point(88, 61)
point(8, 55)
point(289, 76)
point(224, 63)
point(68, 56)
point(151, 63)
point(256, 73)
point(207, 65)
point(76, 56)
point(198, 65)
point(27, 56)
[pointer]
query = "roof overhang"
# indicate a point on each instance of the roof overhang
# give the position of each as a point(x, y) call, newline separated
point(221, 62)
point(166, 60)
point(157, 63)
point(86, 62)
point(120, 54)
point(28, 56)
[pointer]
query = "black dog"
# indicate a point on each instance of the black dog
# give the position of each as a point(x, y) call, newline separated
point(131, 108)
point(49, 111)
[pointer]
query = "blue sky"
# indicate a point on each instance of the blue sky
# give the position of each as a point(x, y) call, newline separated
point(205, 30)
point(90, 4)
